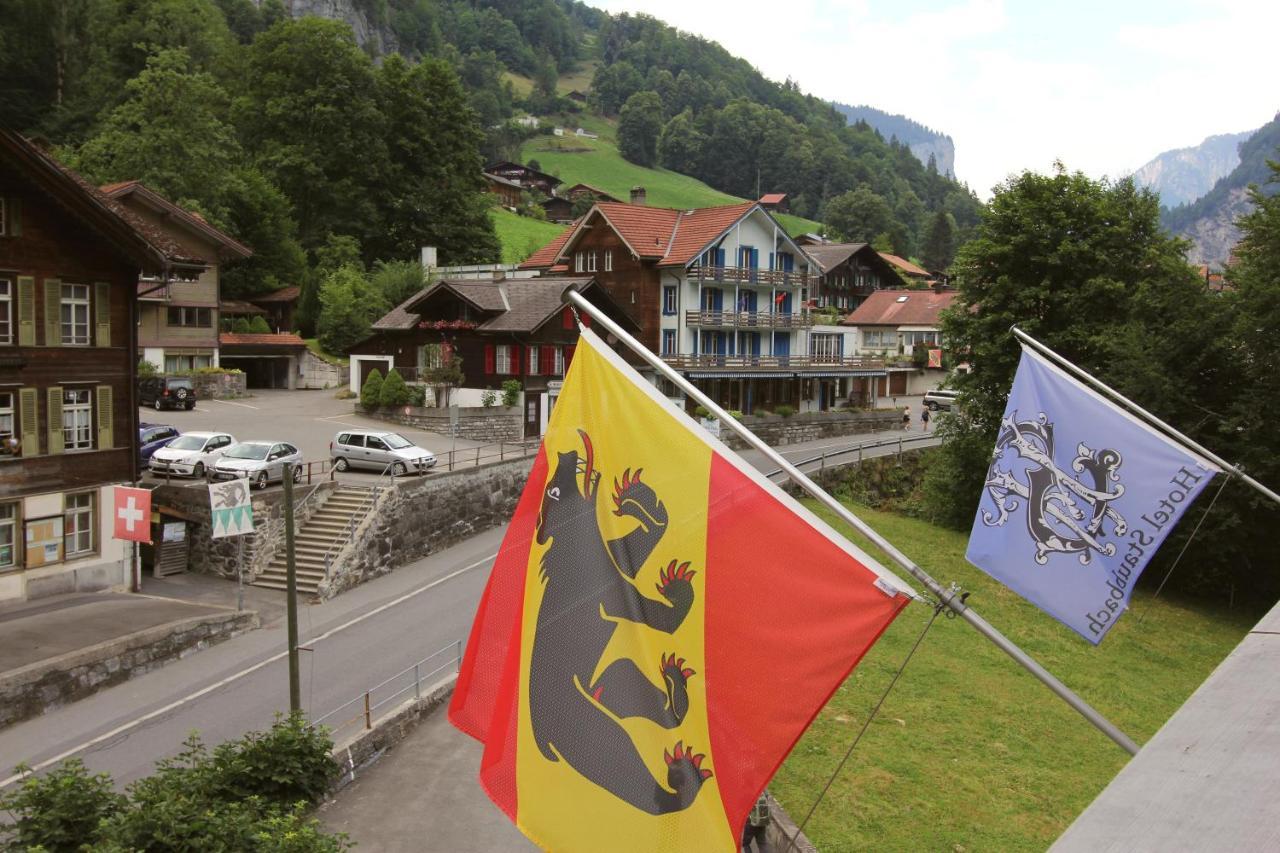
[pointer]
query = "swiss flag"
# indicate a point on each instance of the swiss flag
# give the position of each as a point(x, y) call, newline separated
point(132, 514)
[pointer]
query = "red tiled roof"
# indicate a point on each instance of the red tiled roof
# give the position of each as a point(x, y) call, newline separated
point(284, 294)
point(901, 308)
point(284, 339)
point(773, 198)
point(699, 227)
point(904, 265)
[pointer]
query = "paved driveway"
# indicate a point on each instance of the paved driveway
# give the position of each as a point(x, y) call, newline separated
point(307, 419)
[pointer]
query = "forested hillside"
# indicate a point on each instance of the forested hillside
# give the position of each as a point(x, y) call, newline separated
point(924, 142)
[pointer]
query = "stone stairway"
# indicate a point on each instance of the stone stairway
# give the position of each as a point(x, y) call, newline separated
point(329, 524)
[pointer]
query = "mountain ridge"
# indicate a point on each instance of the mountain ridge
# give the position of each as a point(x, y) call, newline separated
point(923, 141)
point(1182, 175)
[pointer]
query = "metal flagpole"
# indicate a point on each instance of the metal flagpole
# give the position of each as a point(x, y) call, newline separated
point(949, 597)
point(1141, 412)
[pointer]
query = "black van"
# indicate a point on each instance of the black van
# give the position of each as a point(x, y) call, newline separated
point(167, 392)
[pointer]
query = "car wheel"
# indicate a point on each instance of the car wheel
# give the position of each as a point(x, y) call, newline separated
point(297, 474)
point(341, 464)
point(191, 405)
point(933, 407)
point(198, 471)
point(261, 480)
point(398, 469)
point(157, 404)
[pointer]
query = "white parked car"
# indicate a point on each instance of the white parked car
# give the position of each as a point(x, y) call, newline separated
point(190, 454)
point(259, 462)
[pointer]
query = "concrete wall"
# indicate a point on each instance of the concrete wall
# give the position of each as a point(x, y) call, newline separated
point(778, 430)
point(318, 373)
point(222, 556)
point(415, 518)
point(33, 690)
point(219, 386)
point(491, 424)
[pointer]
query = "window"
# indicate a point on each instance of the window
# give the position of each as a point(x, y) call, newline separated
point(826, 346)
point(75, 314)
point(430, 356)
point(77, 419)
point(668, 341)
point(608, 260)
point(77, 517)
point(533, 359)
point(8, 536)
point(8, 425)
point(557, 364)
point(670, 299)
point(917, 338)
point(502, 354)
point(185, 362)
point(591, 261)
point(879, 338)
point(6, 305)
point(193, 318)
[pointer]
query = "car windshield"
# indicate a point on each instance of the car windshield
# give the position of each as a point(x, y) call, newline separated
point(248, 451)
point(179, 383)
point(188, 442)
point(397, 442)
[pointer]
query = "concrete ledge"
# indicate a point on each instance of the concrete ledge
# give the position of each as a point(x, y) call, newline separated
point(36, 688)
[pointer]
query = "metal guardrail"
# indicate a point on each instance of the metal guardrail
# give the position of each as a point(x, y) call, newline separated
point(478, 455)
point(900, 441)
point(369, 702)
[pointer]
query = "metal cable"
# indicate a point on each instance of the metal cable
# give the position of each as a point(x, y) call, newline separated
point(1185, 546)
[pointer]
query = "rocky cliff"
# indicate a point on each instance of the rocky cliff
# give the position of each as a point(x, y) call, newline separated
point(374, 36)
point(1185, 174)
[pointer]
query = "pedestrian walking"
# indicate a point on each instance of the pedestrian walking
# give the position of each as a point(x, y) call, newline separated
point(757, 823)
point(906, 418)
point(924, 418)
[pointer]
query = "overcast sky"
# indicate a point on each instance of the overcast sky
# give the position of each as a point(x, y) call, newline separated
point(1102, 86)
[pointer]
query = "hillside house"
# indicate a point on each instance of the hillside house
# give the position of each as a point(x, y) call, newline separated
point(502, 329)
point(914, 275)
point(848, 273)
point(507, 191)
point(902, 327)
point(718, 292)
point(70, 258)
point(560, 207)
point(178, 320)
point(279, 307)
point(524, 177)
point(775, 202)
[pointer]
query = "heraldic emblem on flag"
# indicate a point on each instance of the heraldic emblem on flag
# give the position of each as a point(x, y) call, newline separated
point(660, 626)
point(1079, 497)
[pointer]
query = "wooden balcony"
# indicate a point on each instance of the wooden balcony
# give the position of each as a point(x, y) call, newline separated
point(748, 319)
point(749, 276)
point(773, 363)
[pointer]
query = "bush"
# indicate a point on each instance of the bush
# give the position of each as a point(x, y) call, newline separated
point(287, 765)
point(701, 412)
point(489, 398)
point(393, 392)
point(735, 414)
point(240, 326)
point(258, 326)
point(784, 411)
point(371, 390)
point(511, 392)
point(61, 810)
point(146, 368)
point(417, 395)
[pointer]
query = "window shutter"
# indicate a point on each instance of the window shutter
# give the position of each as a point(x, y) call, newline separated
point(106, 415)
point(548, 355)
point(29, 419)
point(102, 313)
point(586, 320)
point(26, 311)
point(568, 357)
point(14, 206)
point(566, 319)
point(490, 359)
point(53, 316)
point(54, 430)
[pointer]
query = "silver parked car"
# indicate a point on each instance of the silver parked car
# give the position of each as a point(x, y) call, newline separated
point(360, 448)
point(939, 399)
point(259, 462)
point(190, 454)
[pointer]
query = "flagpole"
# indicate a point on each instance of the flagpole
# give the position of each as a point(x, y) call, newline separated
point(947, 596)
point(1141, 412)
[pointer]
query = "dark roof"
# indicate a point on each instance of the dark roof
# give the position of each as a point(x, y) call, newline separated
point(508, 166)
point(284, 339)
point(577, 189)
point(830, 255)
point(498, 179)
point(137, 239)
point(901, 308)
point(905, 265)
point(289, 293)
point(235, 306)
point(193, 221)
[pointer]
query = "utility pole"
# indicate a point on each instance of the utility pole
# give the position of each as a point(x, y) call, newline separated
point(291, 574)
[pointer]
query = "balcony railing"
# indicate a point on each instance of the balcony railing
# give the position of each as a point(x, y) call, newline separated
point(748, 275)
point(749, 319)
point(772, 362)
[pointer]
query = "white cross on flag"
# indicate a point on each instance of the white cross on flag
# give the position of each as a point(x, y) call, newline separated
point(133, 514)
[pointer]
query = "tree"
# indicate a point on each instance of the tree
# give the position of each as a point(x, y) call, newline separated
point(393, 391)
point(348, 307)
point(939, 242)
point(858, 215)
point(371, 390)
point(338, 251)
point(681, 145)
point(639, 126)
point(397, 280)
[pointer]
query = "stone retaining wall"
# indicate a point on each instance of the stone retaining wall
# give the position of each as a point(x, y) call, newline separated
point(417, 517)
point(222, 556)
point(777, 430)
point(491, 424)
point(40, 687)
point(219, 386)
point(318, 373)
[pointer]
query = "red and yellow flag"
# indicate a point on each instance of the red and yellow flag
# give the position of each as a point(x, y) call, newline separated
point(660, 626)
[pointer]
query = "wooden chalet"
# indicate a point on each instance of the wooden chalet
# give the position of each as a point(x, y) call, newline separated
point(501, 329)
point(70, 258)
point(848, 273)
point(775, 202)
point(524, 177)
point(560, 207)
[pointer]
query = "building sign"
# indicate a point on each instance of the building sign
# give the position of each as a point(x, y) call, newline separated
point(44, 541)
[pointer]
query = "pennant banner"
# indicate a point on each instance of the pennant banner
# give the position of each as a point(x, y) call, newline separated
point(231, 508)
point(1079, 497)
point(660, 626)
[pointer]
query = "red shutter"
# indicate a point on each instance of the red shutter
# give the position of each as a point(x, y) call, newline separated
point(586, 321)
point(568, 357)
point(567, 317)
point(548, 356)
point(516, 349)
point(489, 359)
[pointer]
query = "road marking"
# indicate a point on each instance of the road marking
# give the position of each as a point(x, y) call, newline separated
point(177, 703)
point(229, 403)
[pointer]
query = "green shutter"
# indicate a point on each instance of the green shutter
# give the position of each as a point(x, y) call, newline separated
point(29, 420)
point(53, 312)
point(26, 311)
point(54, 430)
point(102, 313)
point(106, 412)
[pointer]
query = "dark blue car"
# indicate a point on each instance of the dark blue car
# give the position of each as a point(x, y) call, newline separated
point(152, 437)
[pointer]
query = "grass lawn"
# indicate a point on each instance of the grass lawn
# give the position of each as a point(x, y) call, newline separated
point(314, 345)
point(521, 236)
point(970, 752)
